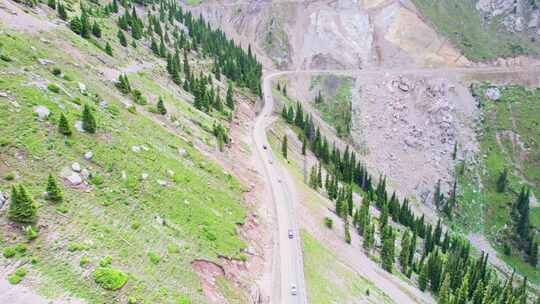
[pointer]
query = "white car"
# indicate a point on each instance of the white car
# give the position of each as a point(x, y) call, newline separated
point(291, 234)
point(293, 290)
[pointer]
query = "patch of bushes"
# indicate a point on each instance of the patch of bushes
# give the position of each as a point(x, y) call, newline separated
point(154, 258)
point(9, 177)
point(106, 261)
point(5, 58)
point(53, 88)
point(328, 222)
point(109, 278)
point(56, 72)
point(84, 261)
point(31, 233)
point(16, 277)
point(9, 252)
point(72, 247)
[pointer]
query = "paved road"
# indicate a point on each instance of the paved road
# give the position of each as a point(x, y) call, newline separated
point(288, 261)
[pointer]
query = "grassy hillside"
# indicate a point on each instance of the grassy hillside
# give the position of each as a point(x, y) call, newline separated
point(152, 203)
point(478, 40)
point(509, 140)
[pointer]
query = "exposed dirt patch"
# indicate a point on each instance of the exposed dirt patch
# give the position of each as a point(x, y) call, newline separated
point(23, 18)
point(208, 273)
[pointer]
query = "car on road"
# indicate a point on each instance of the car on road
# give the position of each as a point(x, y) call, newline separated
point(264, 147)
point(291, 234)
point(294, 291)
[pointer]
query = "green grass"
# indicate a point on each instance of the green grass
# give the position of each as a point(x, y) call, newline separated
point(329, 281)
point(201, 205)
point(337, 94)
point(461, 22)
point(517, 111)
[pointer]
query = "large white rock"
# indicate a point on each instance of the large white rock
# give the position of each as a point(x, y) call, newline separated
point(88, 155)
point(493, 94)
point(42, 112)
point(76, 167)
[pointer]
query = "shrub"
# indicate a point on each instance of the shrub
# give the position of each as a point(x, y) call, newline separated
point(106, 261)
point(154, 258)
point(16, 277)
point(131, 109)
point(63, 126)
point(22, 208)
point(20, 248)
point(328, 222)
point(56, 71)
point(161, 106)
point(88, 121)
point(53, 191)
point(53, 88)
point(72, 247)
point(108, 49)
point(138, 98)
point(84, 261)
point(9, 252)
point(5, 58)
point(109, 278)
point(31, 233)
point(9, 177)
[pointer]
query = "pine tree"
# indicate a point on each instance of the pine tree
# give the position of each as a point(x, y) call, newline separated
point(52, 4)
point(533, 253)
point(387, 251)
point(22, 208)
point(108, 49)
point(383, 218)
point(424, 277)
point(229, 99)
point(161, 106)
point(75, 25)
point(63, 126)
point(96, 29)
point(88, 121)
point(53, 191)
point(122, 38)
point(502, 181)
point(304, 144)
point(347, 232)
point(445, 292)
point(284, 146)
point(405, 251)
point(369, 236)
point(62, 14)
point(463, 292)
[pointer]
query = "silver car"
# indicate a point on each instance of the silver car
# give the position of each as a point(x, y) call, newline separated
point(293, 290)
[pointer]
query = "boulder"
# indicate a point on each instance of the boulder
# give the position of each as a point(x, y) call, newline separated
point(493, 94)
point(144, 176)
point(85, 173)
point(3, 199)
point(162, 182)
point(76, 167)
point(3, 94)
point(88, 155)
point(82, 88)
point(136, 149)
point(73, 178)
point(42, 112)
point(78, 126)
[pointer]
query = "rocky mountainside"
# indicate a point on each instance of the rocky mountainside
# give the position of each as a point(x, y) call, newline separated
point(521, 17)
